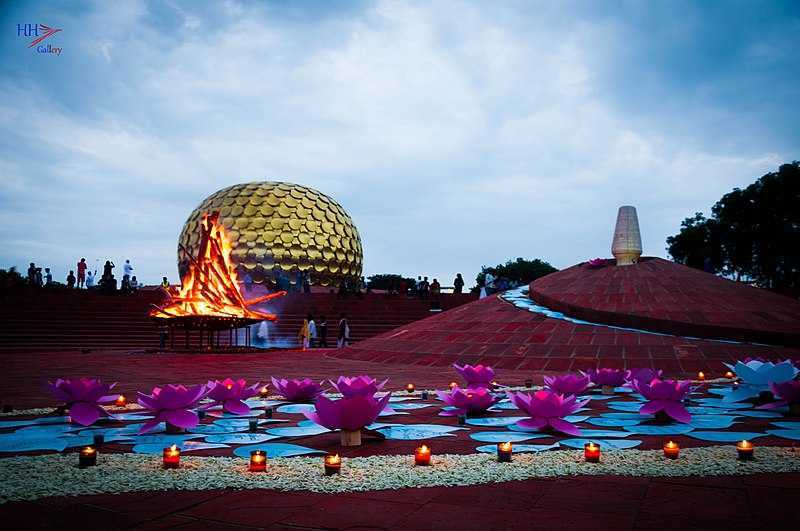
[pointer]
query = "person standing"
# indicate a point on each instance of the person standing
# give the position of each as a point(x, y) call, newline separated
point(248, 282)
point(343, 337)
point(164, 282)
point(90, 279)
point(48, 276)
point(127, 269)
point(312, 331)
point(82, 273)
point(458, 284)
point(302, 335)
point(32, 274)
point(323, 332)
point(71, 279)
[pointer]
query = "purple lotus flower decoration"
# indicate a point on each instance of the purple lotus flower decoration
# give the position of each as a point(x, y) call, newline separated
point(466, 402)
point(546, 408)
point(788, 392)
point(349, 413)
point(358, 386)
point(172, 404)
point(666, 396)
point(568, 384)
point(231, 395)
point(82, 398)
point(607, 377)
point(476, 376)
point(304, 390)
point(643, 375)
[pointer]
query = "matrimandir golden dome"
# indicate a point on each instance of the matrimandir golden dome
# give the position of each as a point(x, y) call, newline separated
point(279, 224)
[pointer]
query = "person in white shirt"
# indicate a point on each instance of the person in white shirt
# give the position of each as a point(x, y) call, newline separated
point(127, 269)
point(90, 279)
point(312, 331)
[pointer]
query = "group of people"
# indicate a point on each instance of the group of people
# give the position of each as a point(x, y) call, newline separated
point(350, 286)
point(422, 288)
point(313, 335)
point(86, 278)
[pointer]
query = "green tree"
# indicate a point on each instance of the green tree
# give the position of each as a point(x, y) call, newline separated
point(384, 280)
point(752, 234)
point(519, 270)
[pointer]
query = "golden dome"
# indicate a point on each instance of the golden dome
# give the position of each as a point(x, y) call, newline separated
point(280, 224)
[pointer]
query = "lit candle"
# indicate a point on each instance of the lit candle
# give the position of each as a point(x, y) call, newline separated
point(422, 456)
point(745, 450)
point(410, 388)
point(333, 464)
point(591, 452)
point(671, 450)
point(494, 384)
point(263, 392)
point(730, 375)
point(120, 401)
point(453, 385)
point(504, 450)
point(258, 461)
point(172, 457)
point(701, 376)
point(87, 457)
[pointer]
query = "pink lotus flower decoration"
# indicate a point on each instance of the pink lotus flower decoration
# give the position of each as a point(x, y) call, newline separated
point(172, 404)
point(666, 396)
point(643, 375)
point(231, 395)
point(304, 390)
point(476, 376)
point(607, 377)
point(788, 392)
point(358, 386)
point(547, 408)
point(568, 384)
point(349, 413)
point(466, 402)
point(82, 398)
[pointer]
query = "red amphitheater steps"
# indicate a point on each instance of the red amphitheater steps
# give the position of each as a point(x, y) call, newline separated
point(55, 320)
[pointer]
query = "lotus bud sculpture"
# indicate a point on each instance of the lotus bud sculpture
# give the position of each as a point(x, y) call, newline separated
point(172, 404)
point(567, 384)
point(358, 386)
point(82, 398)
point(789, 395)
point(756, 376)
point(608, 379)
point(665, 398)
point(547, 410)
point(466, 401)
point(476, 376)
point(304, 390)
point(643, 374)
point(231, 395)
point(349, 414)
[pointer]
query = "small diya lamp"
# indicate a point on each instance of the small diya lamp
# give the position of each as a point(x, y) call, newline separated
point(422, 455)
point(258, 461)
point(121, 401)
point(253, 425)
point(453, 385)
point(591, 452)
point(701, 376)
point(745, 450)
point(333, 464)
point(529, 383)
point(410, 388)
point(495, 385)
point(425, 395)
point(263, 392)
point(87, 457)
point(98, 439)
point(172, 457)
point(729, 375)
point(671, 450)
point(504, 451)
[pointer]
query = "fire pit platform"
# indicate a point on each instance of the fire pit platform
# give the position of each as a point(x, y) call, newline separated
point(211, 330)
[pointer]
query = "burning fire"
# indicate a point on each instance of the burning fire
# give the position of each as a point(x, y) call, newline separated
point(210, 287)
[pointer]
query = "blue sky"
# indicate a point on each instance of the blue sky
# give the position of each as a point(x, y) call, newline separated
point(456, 134)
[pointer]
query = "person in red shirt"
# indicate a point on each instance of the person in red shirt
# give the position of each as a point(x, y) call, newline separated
point(82, 273)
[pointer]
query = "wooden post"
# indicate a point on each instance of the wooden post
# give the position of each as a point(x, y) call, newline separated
point(351, 438)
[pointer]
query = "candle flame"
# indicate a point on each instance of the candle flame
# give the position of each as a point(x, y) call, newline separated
point(701, 375)
point(173, 448)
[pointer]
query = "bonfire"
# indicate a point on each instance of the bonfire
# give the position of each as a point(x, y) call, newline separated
point(210, 288)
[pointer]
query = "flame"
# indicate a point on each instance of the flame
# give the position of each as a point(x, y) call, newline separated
point(211, 287)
